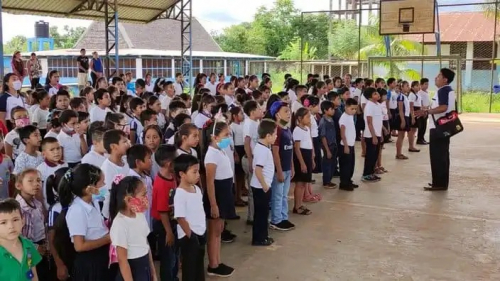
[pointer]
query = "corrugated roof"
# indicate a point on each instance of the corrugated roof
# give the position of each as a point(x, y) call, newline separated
point(128, 10)
point(161, 34)
point(462, 27)
point(149, 53)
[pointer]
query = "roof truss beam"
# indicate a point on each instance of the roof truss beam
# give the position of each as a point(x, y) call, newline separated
point(99, 5)
point(174, 12)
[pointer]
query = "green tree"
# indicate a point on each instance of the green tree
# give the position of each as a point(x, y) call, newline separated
point(292, 51)
point(67, 39)
point(313, 28)
point(17, 43)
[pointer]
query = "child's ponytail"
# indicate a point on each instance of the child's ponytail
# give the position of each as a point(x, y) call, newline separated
point(73, 183)
point(121, 187)
point(52, 185)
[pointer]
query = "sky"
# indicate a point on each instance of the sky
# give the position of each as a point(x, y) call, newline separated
point(212, 14)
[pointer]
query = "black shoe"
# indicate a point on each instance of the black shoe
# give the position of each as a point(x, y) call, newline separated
point(435, 188)
point(227, 237)
point(221, 271)
point(313, 181)
point(346, 187)
point(266, 242)
point(249, 222)
point(281, 226)
point(354, 185)
point(376, 177)
point(422, 142)
point(289, 224)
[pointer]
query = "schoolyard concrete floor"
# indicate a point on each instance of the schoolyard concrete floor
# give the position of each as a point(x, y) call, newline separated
point(392, 230)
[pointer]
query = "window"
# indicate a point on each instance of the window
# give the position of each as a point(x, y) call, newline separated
point(483, 52)
point(158, 67)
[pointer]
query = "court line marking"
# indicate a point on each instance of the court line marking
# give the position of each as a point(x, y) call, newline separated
point(452, 216)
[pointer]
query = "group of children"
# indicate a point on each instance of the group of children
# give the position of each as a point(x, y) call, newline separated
point(109, 181)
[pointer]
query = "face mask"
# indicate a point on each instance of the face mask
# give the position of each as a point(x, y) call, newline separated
point(101, 195)
point(68, 129)
point(138, 205)
point(224, 143)
point(283, 122)
point(21, 122)
point(17, 85)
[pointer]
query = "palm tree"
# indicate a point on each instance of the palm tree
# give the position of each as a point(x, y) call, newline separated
point(345, 41)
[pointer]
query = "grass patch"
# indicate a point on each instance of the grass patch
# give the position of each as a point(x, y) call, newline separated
point(479, 102)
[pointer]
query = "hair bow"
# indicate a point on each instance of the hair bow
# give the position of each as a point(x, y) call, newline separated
point(118, 178)
point(68, 175)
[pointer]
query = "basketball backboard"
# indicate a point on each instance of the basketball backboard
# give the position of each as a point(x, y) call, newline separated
point(407, 16)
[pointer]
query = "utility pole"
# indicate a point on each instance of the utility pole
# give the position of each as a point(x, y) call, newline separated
point(330, 26)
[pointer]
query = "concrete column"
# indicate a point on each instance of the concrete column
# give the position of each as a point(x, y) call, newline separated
point(173, 68)
point(246, 67)
point(225, 68)
point(138, 68)
point(201, 66)
point(468, 65)
point(44, 63)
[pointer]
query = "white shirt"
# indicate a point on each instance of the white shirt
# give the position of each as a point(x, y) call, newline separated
point(13, 102)
point(189, 206)
point(71, 147)
point(356, 94)
point(150, 87)
point(347, 121)
point(136, 125)
point(250, 129)
point(181, 151)
point(211, 87)
point(131, 234)
point(12, 138)
point(435, 103)
point(148, 182)
point(51, 134)
point(46, 171)
point(200, 120)
point(292, 95)
point(314, 127)
point(194, 114)
point(406, 104)
point(424, 96)
point(85, 220)
point(110, 171)
point(393, 103)
point(304, 136)
point(373, 109)
point(178, 89)
point(40, 118)
point(25, 161)
point(263, 157)
point(93, 158)
point(98, 114)
point(385, 115)
point(31, 110)
point(221, 160)
point(237, 130)
point(164, 101)
point(417, 101)
point(296, 105)
point(229, 99)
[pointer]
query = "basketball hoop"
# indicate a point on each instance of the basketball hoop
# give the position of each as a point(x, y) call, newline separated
point(407, 17)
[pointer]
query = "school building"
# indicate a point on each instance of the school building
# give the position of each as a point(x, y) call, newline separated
point(471, 35)
point(143, 48)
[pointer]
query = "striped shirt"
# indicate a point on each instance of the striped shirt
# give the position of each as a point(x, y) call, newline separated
point(34, 228)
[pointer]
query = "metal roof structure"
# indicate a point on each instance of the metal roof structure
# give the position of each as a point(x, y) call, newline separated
point(111, 12)
point(143, 11)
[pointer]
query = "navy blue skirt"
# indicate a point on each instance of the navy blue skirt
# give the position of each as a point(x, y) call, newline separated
point(91, 265)
point(140, 268)
point(225, 199)
point(299, 175)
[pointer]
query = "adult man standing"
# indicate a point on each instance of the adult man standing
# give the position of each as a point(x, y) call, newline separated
point(439, 147)
point(83, 69)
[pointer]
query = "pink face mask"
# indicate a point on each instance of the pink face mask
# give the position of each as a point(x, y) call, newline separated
point(138, 205)
point(21, 122)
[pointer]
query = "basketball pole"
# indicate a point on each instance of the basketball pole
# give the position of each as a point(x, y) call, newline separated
point(493, 55)
point(438, 35)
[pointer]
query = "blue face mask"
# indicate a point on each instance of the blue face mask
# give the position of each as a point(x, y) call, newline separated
point(101, 195)
point(224, 143)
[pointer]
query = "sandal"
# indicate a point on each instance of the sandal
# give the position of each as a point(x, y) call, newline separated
point(401, 157)
point(317, 197)
point(240, 203)
point(378, 171)
point(383, 170)
point(311, 199)
point(302, 211)
point(413, 150)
